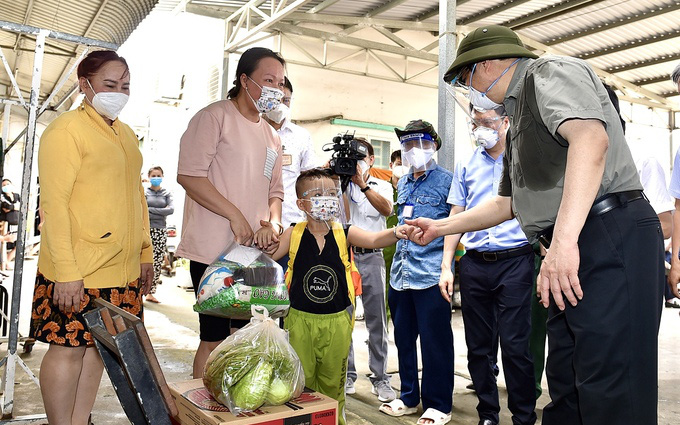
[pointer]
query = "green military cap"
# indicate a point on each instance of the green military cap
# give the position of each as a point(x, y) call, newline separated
point(420, 126)
point(487, 42)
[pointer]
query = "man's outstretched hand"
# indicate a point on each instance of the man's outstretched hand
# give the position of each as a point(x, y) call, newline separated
point(422, 230)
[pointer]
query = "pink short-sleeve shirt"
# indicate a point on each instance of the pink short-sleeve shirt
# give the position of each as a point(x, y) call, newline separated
point(242, 159)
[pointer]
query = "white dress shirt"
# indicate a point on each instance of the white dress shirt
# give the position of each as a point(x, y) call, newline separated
point(362, 213)
point(298, 155)
point(653, 182)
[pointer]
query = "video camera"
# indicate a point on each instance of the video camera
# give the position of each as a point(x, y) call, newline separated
point(347, 151)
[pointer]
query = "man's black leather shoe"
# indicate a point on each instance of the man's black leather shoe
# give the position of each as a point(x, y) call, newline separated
point(487, 422)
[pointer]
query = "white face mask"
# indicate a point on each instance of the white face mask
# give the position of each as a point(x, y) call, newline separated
point(363, 166)
point(324, 208)
point(269, 98)
point(108, 103)
point(279, 113)
point(418, 158)
point(480, 100)
point(399, 170)
point(486, 137)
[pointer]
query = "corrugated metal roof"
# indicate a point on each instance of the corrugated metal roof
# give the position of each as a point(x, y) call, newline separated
point(613, 35)
point(107, 20)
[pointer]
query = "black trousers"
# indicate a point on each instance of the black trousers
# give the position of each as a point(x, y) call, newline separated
point(602, 354)
point(496, 304)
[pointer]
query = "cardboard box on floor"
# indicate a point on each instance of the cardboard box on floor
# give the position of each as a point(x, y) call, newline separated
point(197, 407)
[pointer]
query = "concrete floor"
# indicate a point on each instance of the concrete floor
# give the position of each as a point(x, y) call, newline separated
point(173, 328)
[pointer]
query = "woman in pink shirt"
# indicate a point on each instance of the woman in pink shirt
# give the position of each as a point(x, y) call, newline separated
point(230, 167)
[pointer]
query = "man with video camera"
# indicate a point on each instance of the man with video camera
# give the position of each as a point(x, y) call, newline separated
point(370, 202)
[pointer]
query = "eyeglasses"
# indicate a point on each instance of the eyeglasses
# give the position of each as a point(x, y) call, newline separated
point(315, 192)
point(485, 122)
point(461, 79)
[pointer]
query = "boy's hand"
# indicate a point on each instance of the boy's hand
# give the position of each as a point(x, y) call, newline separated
point(266, 238)
point(402, 231)
point(422, 231)
point(446, 284)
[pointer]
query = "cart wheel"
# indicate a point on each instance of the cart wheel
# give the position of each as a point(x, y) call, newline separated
point(28, 345)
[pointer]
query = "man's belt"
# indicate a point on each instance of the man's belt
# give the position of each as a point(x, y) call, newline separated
point(491, 256)
point(601, 206)
point(359, 250)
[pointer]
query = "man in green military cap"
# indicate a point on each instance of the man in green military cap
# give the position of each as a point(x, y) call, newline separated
point(417, 308)
point(570, 180)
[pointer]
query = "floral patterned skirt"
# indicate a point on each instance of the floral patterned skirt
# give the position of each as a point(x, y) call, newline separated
point(50, 325)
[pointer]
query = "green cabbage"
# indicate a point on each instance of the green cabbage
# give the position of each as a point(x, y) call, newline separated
point(250, 392)
point(279, 393)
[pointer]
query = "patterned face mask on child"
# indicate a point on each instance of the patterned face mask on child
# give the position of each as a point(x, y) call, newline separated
point(324, 208)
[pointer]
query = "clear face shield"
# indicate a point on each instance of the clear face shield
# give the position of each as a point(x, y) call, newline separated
point(484, 131)
point(417, 150)
point(322, 201)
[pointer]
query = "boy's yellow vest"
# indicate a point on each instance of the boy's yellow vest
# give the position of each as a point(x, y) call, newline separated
point(352, 275)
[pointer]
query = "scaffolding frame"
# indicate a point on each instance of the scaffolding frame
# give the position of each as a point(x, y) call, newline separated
point(11, 359)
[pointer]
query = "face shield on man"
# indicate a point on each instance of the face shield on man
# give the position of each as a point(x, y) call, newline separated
point(417, 150)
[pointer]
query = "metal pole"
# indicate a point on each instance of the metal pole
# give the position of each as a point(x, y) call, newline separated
point(5, 123)
point(12, 79)
point(225, 75)
point(671, 127)
point(446, 105)
point(12, 358)
point(46, 103)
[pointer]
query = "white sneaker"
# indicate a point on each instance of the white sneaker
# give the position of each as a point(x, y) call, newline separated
point(349, 387)
point(384, 391)
point(673, 303)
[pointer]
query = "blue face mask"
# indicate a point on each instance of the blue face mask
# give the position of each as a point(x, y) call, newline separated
point(7, 189)
point(156, 181)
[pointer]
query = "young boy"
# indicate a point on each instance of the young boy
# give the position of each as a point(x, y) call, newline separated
point(319, 278)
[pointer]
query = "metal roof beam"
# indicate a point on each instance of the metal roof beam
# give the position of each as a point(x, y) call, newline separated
point(491, 11)
point(223, 13)
point(548, 12)
point(27, 16)
point(362, 73)
point(648, 81)
point(427, 15)
point(619, 82)
point(66, 73)
point(394, 38)
point(617, 23)
point(643, 63)
point(353, 41)
point(322, 6)
point(27, 29)
point(278, 13)
point(434, 12)
point(385, 7)
point(632, 44)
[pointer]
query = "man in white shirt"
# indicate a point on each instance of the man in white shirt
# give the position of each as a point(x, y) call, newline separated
point(298, 155)
point(654, 183)
point(370, 202)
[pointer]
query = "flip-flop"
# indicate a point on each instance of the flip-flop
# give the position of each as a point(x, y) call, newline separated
point(397, 408)
point(434, 415)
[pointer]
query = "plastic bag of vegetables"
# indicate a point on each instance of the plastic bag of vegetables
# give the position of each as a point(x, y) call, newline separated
point(254, 366)
point(240, 277)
